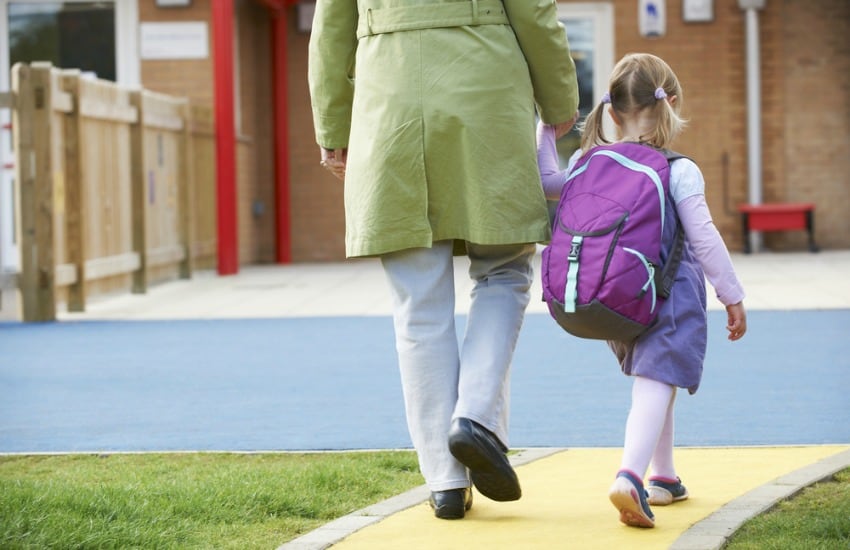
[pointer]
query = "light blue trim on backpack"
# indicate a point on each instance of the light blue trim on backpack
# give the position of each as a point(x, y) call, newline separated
point(626, 162)
point(650, 271)
point(571, 290)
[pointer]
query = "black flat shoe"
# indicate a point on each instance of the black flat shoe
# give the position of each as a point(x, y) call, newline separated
point(451, 504)
point(480, 450)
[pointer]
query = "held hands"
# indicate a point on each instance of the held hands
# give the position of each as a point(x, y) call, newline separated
point(737, 321)
point(334, 160)
point(562, 128)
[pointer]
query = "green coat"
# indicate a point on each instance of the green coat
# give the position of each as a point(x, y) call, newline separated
point(439, 121)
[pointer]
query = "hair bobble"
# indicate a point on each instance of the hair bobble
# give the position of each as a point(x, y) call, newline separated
point(606, 98)
point(660, 93)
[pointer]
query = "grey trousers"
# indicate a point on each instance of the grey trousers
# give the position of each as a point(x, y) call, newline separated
point(442, 380)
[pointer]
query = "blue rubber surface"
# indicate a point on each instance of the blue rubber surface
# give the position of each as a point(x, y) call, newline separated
point(332, 383)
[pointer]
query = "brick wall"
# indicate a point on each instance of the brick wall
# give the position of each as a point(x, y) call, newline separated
point(805, 101)
point(317, 217)
point(805, 77)
point(191, 78)
point(816, 54)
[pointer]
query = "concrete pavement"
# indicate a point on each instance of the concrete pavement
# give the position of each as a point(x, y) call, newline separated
point(773, 281)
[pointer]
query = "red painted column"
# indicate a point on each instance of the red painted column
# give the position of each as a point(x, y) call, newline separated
point(281, 137)
point(225, 136)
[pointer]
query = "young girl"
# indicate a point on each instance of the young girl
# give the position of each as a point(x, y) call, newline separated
point(645, 100)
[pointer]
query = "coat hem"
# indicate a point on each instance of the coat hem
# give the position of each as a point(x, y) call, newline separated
point(365, 248)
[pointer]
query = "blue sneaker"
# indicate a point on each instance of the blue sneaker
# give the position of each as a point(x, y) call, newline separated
point(663, 491)
point(629, 497)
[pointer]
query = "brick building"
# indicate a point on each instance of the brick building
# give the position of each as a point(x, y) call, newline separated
point(289, 209)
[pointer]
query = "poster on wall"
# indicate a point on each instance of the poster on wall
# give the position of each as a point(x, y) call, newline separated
point(697, 11)
point(184, 40)
point(652, 18)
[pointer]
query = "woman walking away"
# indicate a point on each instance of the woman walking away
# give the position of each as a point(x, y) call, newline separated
point(427, 109)
point(644, 100)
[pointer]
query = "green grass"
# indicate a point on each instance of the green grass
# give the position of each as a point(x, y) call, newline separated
point(818, 518)
point(204, 500)
point(245, 501)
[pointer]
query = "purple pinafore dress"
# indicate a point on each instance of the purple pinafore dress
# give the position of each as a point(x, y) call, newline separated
point(673, 349)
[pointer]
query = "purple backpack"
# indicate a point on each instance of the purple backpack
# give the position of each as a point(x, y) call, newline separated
point(602, 273)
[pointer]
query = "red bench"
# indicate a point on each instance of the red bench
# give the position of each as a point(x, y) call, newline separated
point(778, 217)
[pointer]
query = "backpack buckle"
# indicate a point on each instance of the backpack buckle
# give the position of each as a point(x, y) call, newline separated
point(575, 248)
point(571, 289)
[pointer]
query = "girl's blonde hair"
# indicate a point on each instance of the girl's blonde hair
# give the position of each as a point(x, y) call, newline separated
point(633, 88)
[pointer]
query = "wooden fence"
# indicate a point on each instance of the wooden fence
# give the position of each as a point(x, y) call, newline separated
point(116, 187)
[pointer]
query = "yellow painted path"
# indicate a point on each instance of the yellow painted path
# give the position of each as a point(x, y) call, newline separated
point(565, 503)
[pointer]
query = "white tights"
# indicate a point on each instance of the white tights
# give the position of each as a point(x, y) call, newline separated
point(649, 429)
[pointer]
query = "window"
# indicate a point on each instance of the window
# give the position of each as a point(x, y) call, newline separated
point(71, 35)
point(101, 37)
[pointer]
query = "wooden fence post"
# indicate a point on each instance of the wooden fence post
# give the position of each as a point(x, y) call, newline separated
point(32, 137)
point(187, 184)
point(137, 194)
point(75, 204)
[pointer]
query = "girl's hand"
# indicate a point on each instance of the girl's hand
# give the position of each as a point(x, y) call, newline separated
point(334, 160)
point(737, 321)
point(564, 127)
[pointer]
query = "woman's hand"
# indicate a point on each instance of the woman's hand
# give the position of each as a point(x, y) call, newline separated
point(334, 160)
point(563, 128)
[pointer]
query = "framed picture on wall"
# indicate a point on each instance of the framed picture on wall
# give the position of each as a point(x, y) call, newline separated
point(697, 11)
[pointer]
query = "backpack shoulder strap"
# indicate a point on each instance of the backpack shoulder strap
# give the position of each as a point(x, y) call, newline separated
point(672, 155)
point(666, 276)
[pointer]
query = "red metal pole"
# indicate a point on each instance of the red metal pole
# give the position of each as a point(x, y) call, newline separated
point(225, 137)
point(281, 137)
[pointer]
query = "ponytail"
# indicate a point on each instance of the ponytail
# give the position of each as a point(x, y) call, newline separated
point(592, 132)
point(668, 123)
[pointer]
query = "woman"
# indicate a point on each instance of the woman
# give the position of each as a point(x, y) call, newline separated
point(427, 109)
